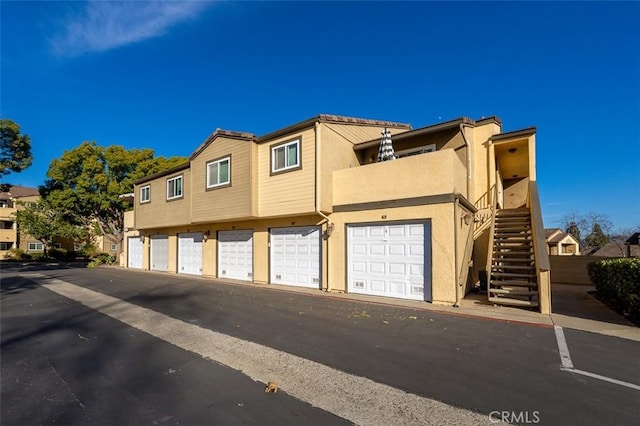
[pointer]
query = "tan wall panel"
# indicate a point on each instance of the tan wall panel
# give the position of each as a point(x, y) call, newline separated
point(336, 154)
point(435, 173)
point(292, 192)
point(515, 192)
point(159, 212)
point(227, 202)
point(571, 269)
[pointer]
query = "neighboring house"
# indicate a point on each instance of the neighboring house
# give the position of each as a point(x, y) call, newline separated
point(561, 243)
point(309, 205)
point(633, 245)
point(10, 235)
point(628, 248)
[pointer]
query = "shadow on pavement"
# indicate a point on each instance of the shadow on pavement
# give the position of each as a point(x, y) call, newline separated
point(576, 301)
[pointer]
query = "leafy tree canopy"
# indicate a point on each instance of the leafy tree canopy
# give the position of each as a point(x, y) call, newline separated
point(86, 182)
point(15, 148)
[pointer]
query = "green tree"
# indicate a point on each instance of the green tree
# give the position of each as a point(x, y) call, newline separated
point(596, 237)
point(582, 226)
point(15, 149)
point(574, 230)
point(86, 183)
point(45, 224)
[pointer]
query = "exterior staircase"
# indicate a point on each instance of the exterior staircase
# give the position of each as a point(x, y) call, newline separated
point(513, 270)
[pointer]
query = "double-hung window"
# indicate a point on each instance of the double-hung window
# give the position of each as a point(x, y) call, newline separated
point(285, 156)
point(145, 194)
point(219, 173)
point(33, 246)
point(174, 188)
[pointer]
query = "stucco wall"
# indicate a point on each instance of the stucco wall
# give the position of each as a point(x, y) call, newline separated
point(571, 269)
point(434, 173)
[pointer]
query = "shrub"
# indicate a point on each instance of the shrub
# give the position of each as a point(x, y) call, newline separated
point(57, 254)
point(618, 284)
point(38, 257)
point(102, 259)
point(17, 254)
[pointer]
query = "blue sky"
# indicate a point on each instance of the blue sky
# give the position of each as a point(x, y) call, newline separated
point(164, 75)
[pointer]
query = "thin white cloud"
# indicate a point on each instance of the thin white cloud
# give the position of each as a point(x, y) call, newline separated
point(103, 25)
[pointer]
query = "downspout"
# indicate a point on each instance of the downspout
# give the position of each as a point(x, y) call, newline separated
point(455, 213)
point(317, 198)
point(468, 144)
point(455, 249)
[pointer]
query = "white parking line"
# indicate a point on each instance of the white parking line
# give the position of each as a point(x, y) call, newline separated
point(354, 398)
point(567, 364)
point(565, 356)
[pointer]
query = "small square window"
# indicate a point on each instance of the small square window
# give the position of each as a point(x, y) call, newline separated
point(219, 172)
point(174, 188)
point(145, 194)
point(286, 156)
point(57, 246)
point(114, 247)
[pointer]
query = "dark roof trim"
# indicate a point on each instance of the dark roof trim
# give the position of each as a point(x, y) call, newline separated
point(328, 118)
point(523, 133)
point(633, 240)
point(168, 172)
point(229, 134)
point(448, 125)
point(493, 118)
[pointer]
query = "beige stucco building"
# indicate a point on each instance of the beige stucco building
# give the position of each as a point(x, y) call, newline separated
point(561, 243)
point(309, 205)
point(10, 237)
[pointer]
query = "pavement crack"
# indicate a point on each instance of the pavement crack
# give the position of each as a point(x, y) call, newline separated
point(55, 371)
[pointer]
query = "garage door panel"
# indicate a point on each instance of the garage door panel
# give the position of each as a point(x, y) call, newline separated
point(235, 258)
point(388, 260)
point(159, 252)
point(190, 253)
point(134, 252)
point(295, 256)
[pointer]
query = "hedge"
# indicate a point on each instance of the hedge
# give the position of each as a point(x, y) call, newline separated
point(618, 284)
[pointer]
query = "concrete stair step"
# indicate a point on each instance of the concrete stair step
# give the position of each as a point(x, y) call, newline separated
point(512, 275)
point(517, 267)
point(512, 283)
point(513, 291)
point(513, 302)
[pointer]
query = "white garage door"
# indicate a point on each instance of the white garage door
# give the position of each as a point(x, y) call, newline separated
point(295, 256)
point(159, 253)
point(190, 253)
point(134, 252)
point(235, 255)
point(390, 260)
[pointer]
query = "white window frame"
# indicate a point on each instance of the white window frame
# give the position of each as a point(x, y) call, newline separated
point(147, 189)
point(218, 162)
point(416, 151)
point(172, 182)
point(57, 246)
point(113, 247)
point(33, 246)
point(284, 147)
